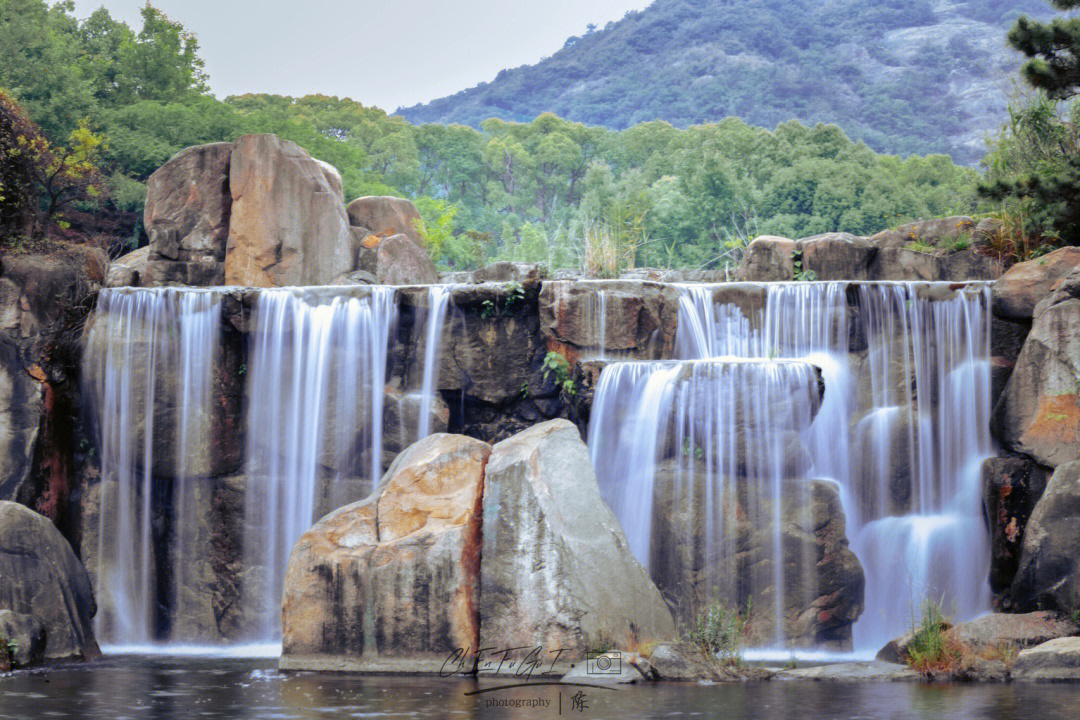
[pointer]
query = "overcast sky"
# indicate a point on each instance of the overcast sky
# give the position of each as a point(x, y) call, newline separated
point(388, 53)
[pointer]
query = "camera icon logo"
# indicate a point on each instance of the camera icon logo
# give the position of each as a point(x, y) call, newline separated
point(609, 663)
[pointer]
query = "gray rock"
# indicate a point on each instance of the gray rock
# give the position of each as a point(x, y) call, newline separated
point(1056, 660)
point(1019, 290)
point(506, 271)
point(1048, 576)
point(129, 270)
point(853, 672)
point(681, 661)
point(22, 638)
point(768, 258)
point(1011, 488)
point(612, 668)
point(41, 577)
point(837, 256)
point(556, 570)
point(399, 261)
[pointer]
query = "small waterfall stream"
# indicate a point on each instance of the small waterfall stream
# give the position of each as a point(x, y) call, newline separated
point(438, 301)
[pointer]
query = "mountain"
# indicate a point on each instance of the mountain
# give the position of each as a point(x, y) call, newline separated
point(905, 76)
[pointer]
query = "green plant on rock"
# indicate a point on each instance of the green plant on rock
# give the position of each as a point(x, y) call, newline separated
point(487, 309)
point(921, 247)
point(525, 390)
point(555, 364)
point(932, 648)
point(720, 632)
point(801, 273)
point(515, 296)
point(961, 242)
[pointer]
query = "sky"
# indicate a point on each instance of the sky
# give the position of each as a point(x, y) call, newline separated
point(387, 53)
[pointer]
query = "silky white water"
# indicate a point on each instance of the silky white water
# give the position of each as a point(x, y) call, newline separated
point(902, 429)
point(438, 301)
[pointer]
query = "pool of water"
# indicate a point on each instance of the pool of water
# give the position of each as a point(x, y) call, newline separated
point(144, 688)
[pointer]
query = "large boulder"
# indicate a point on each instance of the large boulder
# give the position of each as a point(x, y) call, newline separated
point(1039, 413)
point(506, 271)
point(391, 583)
point(22, 640)
point(837, 256)
point(187, 217)
point(768, 258)
point(287, 224)
point(1019, 290)
point(989, 633)
point(1011, 488)
point(397, 260)
point(1054, 661)
point(1048, 576)
point(129, 270)
point(386, 216)
point(556, 570)
point(41, 577)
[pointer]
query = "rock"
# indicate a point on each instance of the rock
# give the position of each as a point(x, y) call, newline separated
point(333, 177)
point(41, 577)
point(129, 270)
point(401, 420)
point(356, 277)
point(613, 668)
point(186, 217)
point(681, 661)
point(692, 569)
point(287, 223)
point(1016, 631)
point(390, 583)
point(399, 261)
point(22, 639)
point(639, 317)
point(1011, 488)
point(506, 271)
point(387, 216)
point(556, 570)
point(1048, 575)
point(768, 258)
point(902, 263)
point(1019, 290)
point(853, 672)
point(1039, 413)
point(1053, 661)
point(837, 256)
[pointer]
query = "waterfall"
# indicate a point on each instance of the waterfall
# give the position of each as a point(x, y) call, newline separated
point(438, 300)
point(148, 372)
point(902, 430)
point(318, 370)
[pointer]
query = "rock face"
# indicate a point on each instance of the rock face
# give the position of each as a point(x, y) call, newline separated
point(768, 258)
point(1011, 488)
point(556, 570)
point(1019, 290)
point(397, 260)
point(1048, 575)
point(391, 583)
point(837, 256)
point(1039, 413)
point(287, 224)
point(41, 577)
point(1057, 660)
point(387, 216)
point(26, 635)
point(187, 217)
point(130, 270)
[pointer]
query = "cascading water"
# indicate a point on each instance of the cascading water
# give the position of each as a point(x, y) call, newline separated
point(438, 300)
point(149, 361)
point(902, 428)
point(318, 370)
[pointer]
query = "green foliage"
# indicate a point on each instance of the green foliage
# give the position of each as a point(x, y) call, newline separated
point(720, 632)
point(515, 297)
point(555, 364)
point(1054, 64)
point(487, 309)
point(931, 648)
point(801, 274)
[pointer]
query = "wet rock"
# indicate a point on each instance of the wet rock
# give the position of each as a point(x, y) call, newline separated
point(41, 577)
point(287, 224)
point(1039, 413)
point(853, 672)
point(556, 570)
point(401, 420)
point(1054, 661)
point(725, 549)
point(186, 217)
point(391, 583)
point(1011, 488)
point(22, 640)
point(1048, 575)
point(768, 258)
point(386, 216)
point(1019, 290)
point(837, 256)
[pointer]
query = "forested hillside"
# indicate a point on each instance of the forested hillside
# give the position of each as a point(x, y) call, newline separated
point(113, 103)
point(905, 76)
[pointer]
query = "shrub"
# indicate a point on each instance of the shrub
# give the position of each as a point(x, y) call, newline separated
point(932, 648)
point(720, 631)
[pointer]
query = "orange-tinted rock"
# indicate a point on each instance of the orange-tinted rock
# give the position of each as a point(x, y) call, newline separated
point(391, 583)
point(399, 261)
point(385, 216)
point(1020, 289)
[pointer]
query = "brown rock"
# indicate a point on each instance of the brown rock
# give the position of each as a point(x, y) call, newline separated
point(129, 270)
point(837, 256)
point(391, 583)
point(385, 216)
point(1020, 289)
point(768, 258)
point(399, 261)
point(288, 225)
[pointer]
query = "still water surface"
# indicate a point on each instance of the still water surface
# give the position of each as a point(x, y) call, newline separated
point(152, 688)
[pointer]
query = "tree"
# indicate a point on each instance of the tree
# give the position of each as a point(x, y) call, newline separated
point(18, 202)
point(1054, 49)
point(61, 174)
